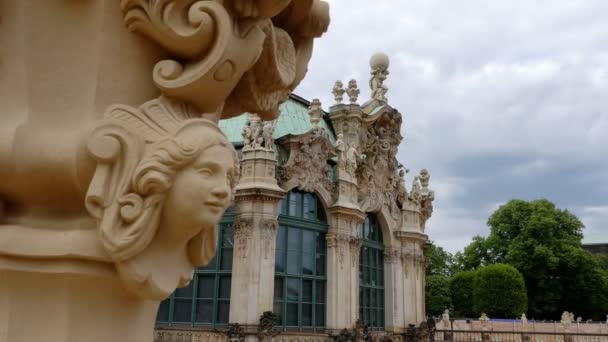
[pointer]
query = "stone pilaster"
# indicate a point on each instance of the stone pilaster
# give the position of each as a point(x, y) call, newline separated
point(257, 197)
point(393, 287)
point(343, 245)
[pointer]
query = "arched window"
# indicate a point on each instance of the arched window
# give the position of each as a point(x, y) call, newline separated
point(206, 301)
point(371, 274)
point(300, 278)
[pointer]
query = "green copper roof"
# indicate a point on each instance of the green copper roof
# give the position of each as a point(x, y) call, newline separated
point(293, 119)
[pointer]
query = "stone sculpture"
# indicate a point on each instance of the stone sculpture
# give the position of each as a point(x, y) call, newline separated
point(351, 159)
point(401, 189)
point(524, 319)
point(379, 64)
point(315, 112)
point(338, 92)
point(101, 195)
point(141, 194)
point(445, 318)
point(352, 91)
point(341, 148)
point(267, 132)
point(246, 133)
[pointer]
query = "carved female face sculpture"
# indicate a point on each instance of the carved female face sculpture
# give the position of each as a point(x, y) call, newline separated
point(158, 210)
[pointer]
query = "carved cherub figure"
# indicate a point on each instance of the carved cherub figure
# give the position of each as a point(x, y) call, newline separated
point(401, 190)
point(341, 148)
point(338, 92)
point(246, 133)
point(267, 131)
point(379, 64)
point(351, 159)
point(158, 196)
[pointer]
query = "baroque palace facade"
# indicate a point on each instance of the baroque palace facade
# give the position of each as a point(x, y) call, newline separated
point(323, 231)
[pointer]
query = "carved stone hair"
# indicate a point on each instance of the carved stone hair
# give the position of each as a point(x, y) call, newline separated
point(132, 209)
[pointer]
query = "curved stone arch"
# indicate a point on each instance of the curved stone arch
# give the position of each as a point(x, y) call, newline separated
point(323, 194)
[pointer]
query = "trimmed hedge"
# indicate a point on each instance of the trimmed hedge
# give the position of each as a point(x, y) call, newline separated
point(461, 289)
point(499, 291)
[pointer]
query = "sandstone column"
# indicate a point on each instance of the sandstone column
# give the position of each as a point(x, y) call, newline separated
point(257, 198)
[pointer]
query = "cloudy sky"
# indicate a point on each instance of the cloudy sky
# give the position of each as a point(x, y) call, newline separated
point(501, 100)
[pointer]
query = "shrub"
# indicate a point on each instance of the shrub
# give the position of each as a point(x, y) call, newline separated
point(461, 289)
point(499, 291)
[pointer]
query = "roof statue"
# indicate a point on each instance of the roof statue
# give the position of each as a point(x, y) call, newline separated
point(352, 91)
point(338, 92)
point(379, 64)
point(315, 112)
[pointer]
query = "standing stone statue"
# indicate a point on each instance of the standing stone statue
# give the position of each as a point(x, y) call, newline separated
point(341, 148)
point(524, 319)
point(445, 318)
point(267, 132)
point(379, 64)
point(351, 159)
point(246, 133)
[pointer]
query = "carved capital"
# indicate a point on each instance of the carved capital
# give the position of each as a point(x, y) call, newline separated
point(391, 255)
point(355, 249)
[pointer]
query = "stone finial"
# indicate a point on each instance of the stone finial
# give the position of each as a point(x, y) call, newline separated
point(352, 91)
point(338, 92)
point(315, 112)
point(379, 63)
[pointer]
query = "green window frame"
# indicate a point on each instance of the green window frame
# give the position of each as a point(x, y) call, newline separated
point(301, 263)
point(371, 274)
point(206, 300)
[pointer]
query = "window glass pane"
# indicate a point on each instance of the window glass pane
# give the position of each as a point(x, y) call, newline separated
point(308, 238)
point(163, 311)
point(184, 291)
point(294, 242)
point(308, 263)
point(279, 261)
point(204, 311)
point(206, 286)
point(321, 243)
point(226, 259)
point(306, 315)
point(278, 288)
point(306, 290)
point(227, 236)
point(211, 265)
point(372, 298)
point(223, 311)
point(320, 315)
point(281, 232)
point(320, 289)
point(293, 289)
point(182, 308)
point(292, 315)
point(372, 318)
point(372, 278)
point(295, 203)
point(309, 206)
point(293, 266)
point(379, 298)
point(380, 276)
point(277, 308)
point(282, 207)
point(225, 283)
point(320, 212)
point(320, 264)
point(364, 256)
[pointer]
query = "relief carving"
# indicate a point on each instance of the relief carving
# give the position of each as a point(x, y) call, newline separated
point(148, 161)
point(391, 256)
point(355, 249)
point(307, 164)
point(243, 229)
point(268, 231)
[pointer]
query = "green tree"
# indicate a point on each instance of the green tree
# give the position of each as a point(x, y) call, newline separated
point(437, 294)
point(439, 262)
point(544, 244)
point(499, 291)
point(461, 289)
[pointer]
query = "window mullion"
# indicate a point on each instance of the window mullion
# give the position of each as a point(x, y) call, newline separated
point(194, 296)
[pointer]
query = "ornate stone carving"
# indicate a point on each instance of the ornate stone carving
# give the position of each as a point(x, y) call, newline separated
point(266, 327)
point(352, 91)
point(332, 240)
point(267, 132)
point(401, 190)
point(338, 92)
point(315, 112)
point(268, 230)
point(243, 228)
point(250, 55)
point(149, 160)
point(379, 142)
point(355, 249)
point(307, 164)
point(391, 255)
point(379, 64)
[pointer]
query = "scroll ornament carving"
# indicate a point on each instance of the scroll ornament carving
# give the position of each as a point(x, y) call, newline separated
point(149, 160)
point(391, 256)
point(243, 229)
point(230, 57)
point(268, 232)
point(379, 142)
point(307, 163)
